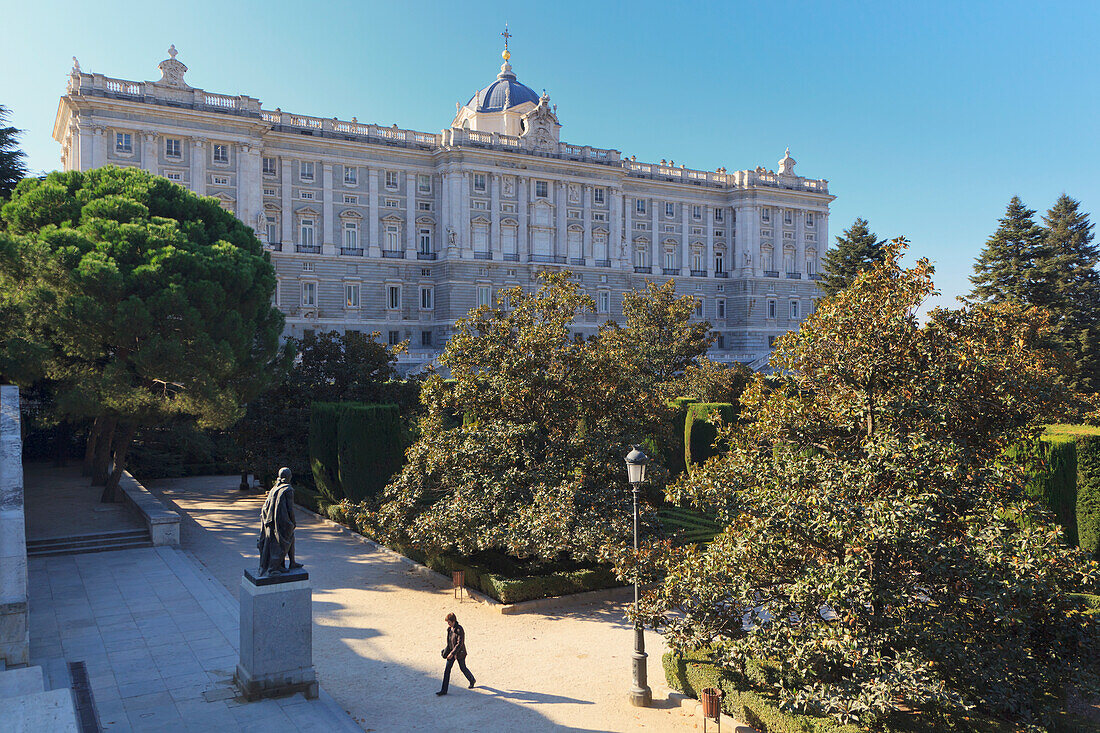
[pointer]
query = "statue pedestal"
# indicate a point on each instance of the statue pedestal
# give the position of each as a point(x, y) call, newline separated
point(276, 636)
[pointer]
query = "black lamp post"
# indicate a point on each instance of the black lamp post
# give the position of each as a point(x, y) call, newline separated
point(640, 696)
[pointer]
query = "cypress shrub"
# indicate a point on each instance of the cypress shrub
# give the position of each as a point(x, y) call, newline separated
point(370, 448)
point(673, 450)
point(1055, 484)
point(1088, 493)
point(700, 434)
point(323, 455)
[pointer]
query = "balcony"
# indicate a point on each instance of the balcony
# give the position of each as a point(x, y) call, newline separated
point(813, 276)
point(548, 259)
point(603, 263)
point(426, 255)
point(483, 255)
point(643, 270)
point(577, 261)
point(275, 246)
point(510, 257)
point(670, 270)
point(393, 254)
point(313, 249)
point(352, 251)
point(794, 275)
point(771, 273)
point(698, 273)
point(721, 274)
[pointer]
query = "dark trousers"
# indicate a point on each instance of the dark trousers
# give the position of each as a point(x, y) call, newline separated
point(461, 665)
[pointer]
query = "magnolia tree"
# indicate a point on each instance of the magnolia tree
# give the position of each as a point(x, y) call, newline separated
point(878, 549)
point(534, 466)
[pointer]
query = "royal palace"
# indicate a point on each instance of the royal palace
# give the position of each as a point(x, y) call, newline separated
point(384, 229)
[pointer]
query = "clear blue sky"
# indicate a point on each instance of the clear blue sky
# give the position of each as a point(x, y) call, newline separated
point(925, 117)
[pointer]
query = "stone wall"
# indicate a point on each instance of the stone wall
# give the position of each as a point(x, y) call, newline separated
point(14, 630)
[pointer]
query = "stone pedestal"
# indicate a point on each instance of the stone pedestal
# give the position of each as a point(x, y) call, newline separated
point(276, 636)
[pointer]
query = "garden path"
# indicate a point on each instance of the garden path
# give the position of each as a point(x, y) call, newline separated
point(378, 629)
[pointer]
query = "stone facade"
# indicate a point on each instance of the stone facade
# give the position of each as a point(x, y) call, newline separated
point(383, 229)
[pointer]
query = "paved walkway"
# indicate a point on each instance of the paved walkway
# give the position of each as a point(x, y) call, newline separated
point(159, 638)
point(59, 502)
point(378, 629)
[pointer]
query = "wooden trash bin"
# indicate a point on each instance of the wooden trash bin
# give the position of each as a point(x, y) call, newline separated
point(458, 580)
point(712, 706)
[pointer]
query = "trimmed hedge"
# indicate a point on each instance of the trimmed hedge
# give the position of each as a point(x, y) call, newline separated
point(700, 434)
point(1055, 484)
point(324, 457)
point(673, 452)
point(370, 448)
point(1088, 493)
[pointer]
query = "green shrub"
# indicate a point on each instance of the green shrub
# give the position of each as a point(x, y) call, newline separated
point(1055, 483)
point(308, 498)
point(370, 448)
point(693, 525)
point(700, 434)
point(324, 450)
point(673, 450)
point(1088, 493)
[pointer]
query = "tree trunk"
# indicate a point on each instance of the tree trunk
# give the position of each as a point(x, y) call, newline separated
point(102, 463)
point(63, 438)
point(120, 443)
point(89, 449)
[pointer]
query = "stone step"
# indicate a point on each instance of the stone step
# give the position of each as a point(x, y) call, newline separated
point(19, 682)
point(121, 540)
point(52, 711)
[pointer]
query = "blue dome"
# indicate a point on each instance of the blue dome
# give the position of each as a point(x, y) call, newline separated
point(502, 94)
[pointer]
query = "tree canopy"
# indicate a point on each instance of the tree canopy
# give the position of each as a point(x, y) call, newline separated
point(878, 548)
point(13, 165)
point(144, 301)
point(856, 250)
point(522, 451)
point(1009, 267)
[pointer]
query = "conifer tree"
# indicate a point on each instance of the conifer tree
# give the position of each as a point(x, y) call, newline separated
point(12, 160)
point(1008, 267)
point(857, 249)
point(1070, 275)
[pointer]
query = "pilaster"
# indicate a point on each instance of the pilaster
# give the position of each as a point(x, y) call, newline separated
point(615, 235)
point(198, 165)
point(587, 250)
point(149, 151)
point(286, 220)
point(561, 229)
point(708, 255)
point(328, 246)
point(494, 213)
point(374, 243)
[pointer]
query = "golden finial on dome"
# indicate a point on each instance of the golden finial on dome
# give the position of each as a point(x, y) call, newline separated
point(506, 54)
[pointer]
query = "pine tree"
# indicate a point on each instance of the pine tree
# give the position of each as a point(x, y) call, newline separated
point(856, 250)
point(1008, 267)
point(1069, 272)
point(12, 166)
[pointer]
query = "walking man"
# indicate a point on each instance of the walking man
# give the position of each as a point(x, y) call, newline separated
point(456, 649)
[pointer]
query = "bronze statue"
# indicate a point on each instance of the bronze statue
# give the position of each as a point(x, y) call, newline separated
point(277, 524)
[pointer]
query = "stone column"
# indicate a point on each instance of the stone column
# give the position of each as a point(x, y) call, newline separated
point(287, 216)
point(99, 148)
point(250, 186)
point(561, 229)
point(800, 242)
point(657, 261)
point(328, 239)
point(708, 255)
point(198, 165)
point(587, 250)
point(523, 246)
point(628, 228)
point(824, 243)
point(410, 215)
point(85, 149)
point(685, 239)
point(615, 233)
point(149, 153)
point(465, 241)
point(375, 244)
point(494, 214)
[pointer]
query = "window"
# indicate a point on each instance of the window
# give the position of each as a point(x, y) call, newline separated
point(172, 148)
point(668, 228)
point(307, 195)
point(721, 341)
point(484, 295)
point(394, 338)
point(269, 166)
point(720, 308)
point(306, 171)
point(424, 184)
point(699, 308)
point(696, 211)
point(771, 307)
point(309, 293)
point(426, 297)
point(603, 303)
point(639, 205)
point(598, 195)
point(269, 192)
point(696, 259)
point(221, 153)
point(426, 241)
point(351, 235)
point(123, 142)
point(349, 199)
point(599, 216)
point(425, 338)
point(221, 180)
point(788, 235)
point(392, 204)
point(718, 214)
point(392, 234)
point(481, 205)
point(719, 232)
point(351, 295)
point(351, 176)
point(479, 181)
point(810, 219)
point(670, 259)
point(393, 298)
point(794, 310)
point(174, 176)
point(719, 262)
point(641, 226)
point(542, 189)
point(765, 214)
point(272, 229)
point(307, 267)
point(788, 216)
point(698, 231)
point(670, 210)
point(641, 256)
point(811, 267)
point(391, 179)
point(306, 240)
point(423, 205)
